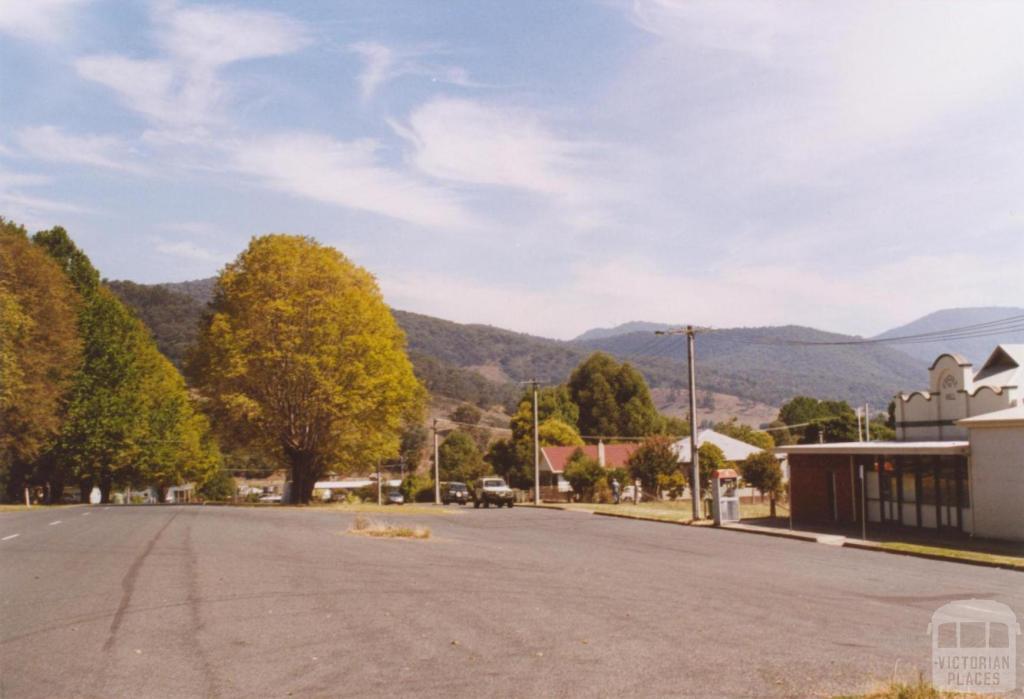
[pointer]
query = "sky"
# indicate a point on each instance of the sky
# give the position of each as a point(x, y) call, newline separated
point(544, 167)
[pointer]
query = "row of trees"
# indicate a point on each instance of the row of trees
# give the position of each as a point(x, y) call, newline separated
point(86, 397)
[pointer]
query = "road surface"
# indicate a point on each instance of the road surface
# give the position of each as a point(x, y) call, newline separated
point(189, 601)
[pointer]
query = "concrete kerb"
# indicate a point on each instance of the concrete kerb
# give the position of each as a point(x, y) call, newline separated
point(872, 546)
point(808, 537)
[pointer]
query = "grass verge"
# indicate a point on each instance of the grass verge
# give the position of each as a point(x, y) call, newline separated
point(963, 554)
point(667, 511)
point(385, 530)
point(22, 508)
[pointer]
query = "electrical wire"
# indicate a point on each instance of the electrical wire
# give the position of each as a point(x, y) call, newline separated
point(987, 329)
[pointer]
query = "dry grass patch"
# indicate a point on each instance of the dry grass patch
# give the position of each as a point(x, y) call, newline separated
point(386, 530)
point(913, 690)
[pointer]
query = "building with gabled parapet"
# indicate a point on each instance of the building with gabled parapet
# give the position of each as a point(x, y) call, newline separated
point(957, 466)
point(956, 392)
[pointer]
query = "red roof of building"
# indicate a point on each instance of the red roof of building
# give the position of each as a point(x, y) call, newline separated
point(615, 455)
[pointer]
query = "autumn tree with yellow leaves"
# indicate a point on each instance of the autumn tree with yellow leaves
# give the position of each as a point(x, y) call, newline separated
point(300, 355)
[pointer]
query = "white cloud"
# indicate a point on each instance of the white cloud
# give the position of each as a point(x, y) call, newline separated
point(470, 142)
point(188, 250)
point(345, 173)
point(37, 20)
point(31, 209)
point(182, 88)
point(53, 144)
point(383, 64)
point(820, 83)
point(607, 292)
point(211, 36)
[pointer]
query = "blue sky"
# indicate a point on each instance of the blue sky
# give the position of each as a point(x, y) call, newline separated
point(546, 167)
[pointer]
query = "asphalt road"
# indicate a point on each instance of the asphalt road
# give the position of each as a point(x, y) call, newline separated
point(231, 602)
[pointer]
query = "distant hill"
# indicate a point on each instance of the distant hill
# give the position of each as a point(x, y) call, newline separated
point(172, 312)
point(635, 326)
point(755, 363)
point(171, 317)
point(976, 349)
point(200, 290)
point(482, 364)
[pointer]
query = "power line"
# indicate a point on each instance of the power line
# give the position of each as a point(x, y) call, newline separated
point(987, 329)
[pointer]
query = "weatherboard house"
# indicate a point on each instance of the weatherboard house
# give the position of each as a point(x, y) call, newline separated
point(956, 467)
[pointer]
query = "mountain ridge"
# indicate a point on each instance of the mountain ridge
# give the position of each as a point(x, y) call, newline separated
point(482, 363)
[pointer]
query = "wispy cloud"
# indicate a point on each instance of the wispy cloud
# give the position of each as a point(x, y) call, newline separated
point(33, 210)
point(188, 250)
point(38, 20)
point(605, 292)
point(475, 143)
point(383, 64)
point(182, 87)
point(346, 173)
point(52, 144)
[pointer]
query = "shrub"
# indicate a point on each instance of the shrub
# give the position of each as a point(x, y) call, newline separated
point(583, 473)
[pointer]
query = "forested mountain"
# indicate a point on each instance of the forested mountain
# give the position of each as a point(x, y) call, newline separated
point(976, 349)
point(481, 364)
point(172, 312)
point(634, 326)
point(758, 363)
point(171, 316)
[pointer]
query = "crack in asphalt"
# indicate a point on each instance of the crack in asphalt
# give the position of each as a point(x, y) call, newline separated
point(193, 603)
point(128, 585)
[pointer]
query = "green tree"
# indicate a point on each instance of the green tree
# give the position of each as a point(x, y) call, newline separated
point(505, 461)
point(39, 352)
point(106, 427)
point(672, 483)
point(583, 473)
point(675, 426)
point(466, 414)
point(130, 419)
point(413, 444)
point(556, 433)
point(745, 433)
point(176, 445)
point(460, 460)
point(613, 399)
point(654, 457)
point(301, 354)
point(831, 420)
point(711, 459)
point(218, 486)
point(553, 402)
point(762, 471)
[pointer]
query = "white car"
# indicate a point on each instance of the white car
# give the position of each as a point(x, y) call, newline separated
point(270, 498)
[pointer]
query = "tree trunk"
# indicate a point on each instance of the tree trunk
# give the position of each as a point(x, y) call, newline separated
point(106, 484)
point(771, 505)
point(161, 494)
point(86, 490)
point(56, 491)
point(303, 477)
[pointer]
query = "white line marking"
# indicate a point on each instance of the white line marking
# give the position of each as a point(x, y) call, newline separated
point(53, 523)
point(86, 514)
point(10, 536)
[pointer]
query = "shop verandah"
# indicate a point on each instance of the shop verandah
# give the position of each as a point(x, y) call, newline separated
point(908, 486)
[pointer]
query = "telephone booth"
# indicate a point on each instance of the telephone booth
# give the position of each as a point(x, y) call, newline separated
point(725, 499)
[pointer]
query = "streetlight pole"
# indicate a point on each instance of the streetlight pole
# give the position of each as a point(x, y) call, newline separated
point(437, 469)
point(536, 449)
point(691, 331)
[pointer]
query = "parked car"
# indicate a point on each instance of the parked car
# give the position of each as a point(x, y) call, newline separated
point(454, 492)
point(395, 497)
point(492, 491)
point(270, 498)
